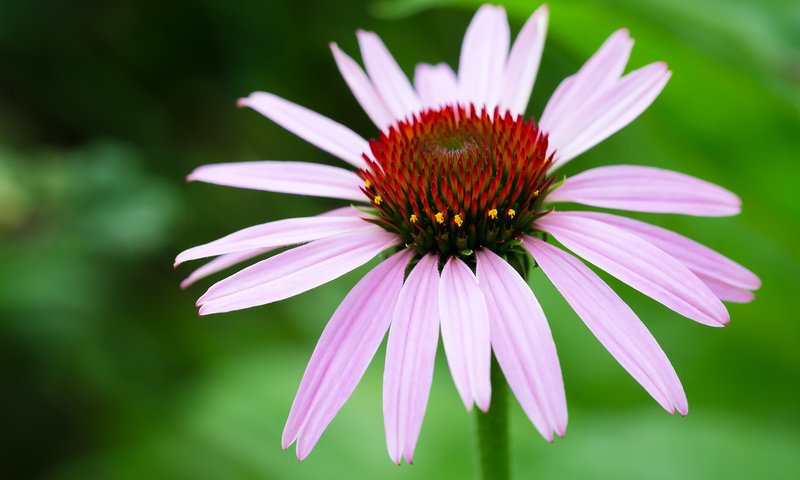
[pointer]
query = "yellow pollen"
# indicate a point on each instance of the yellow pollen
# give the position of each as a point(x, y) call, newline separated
point(412, 218)
point(493, 213)
point(439, 217)
point(377, 200)
point(511, 212)
point(536, 193)
point(367, 184)
point(458, 220)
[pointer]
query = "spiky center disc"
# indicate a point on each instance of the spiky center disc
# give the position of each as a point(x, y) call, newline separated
point(452, 180)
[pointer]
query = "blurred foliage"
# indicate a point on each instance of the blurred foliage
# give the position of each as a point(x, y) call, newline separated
point(108, 373)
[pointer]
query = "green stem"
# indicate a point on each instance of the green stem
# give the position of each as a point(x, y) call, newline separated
point(492, 428)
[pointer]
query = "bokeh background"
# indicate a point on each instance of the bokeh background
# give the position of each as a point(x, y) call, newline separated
point(108, 372)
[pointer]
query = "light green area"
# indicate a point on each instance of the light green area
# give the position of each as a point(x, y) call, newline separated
point(107, 372)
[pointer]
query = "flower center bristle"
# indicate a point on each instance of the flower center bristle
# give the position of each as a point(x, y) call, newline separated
point(452, 180)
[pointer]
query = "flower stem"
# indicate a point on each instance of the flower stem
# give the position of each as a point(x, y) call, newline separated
point(492, 429)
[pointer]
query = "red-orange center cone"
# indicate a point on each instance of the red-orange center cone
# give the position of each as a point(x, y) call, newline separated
point(452, 180)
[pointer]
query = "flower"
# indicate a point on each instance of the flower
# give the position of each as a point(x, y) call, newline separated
point(461, 190)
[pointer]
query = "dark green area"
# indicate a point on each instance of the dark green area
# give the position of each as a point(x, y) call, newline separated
point(107, 372)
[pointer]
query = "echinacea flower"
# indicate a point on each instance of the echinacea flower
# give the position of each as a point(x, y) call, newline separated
point(459, 191)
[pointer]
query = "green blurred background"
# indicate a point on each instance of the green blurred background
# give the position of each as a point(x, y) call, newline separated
point(107, 372)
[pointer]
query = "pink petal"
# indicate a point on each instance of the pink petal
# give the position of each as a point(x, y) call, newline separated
point(465, 333)
point(598, 73)
point(638, 263)
point(410, 354)
point(523, 344)
point(725, 291)
point(700, 259)
point(608, 112)
point(312, 127)
point(483, 57)
point(523, 63)
point(346, 211)
point(344, 351)
point(294, 271)
point(647, 189)
point(362, 89)
point(390, 81)
point(284, 177)
point(612, 322)
point(436, 85)
point(280, 233)
point(221, 263)
point(228, 260)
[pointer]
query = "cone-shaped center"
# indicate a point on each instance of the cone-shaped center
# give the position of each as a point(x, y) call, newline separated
point(452, 180)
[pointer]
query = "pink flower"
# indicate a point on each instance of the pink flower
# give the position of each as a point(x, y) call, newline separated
point(459, 188)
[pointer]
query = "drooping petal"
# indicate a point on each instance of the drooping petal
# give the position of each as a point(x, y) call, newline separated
point(638, 263)
point(608, 112)
point(362, 89)
point(228, 260)
point(483, 57)
point(436, 85)
point(523, 344)
point(294, 271)
point(612, 322)
point(343, 352)
point(221, 263)
point(465, 333)
point(410, 354)
point(725, 291)
point(299, 178)
point(390, 81)
point(700, 259)
point(523, 63)
point(280, 233)
point(647, 189)
point(601, 71)
point(333, 137)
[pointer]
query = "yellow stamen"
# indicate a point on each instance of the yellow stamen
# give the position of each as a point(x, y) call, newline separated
point(493, 213)
point(377, 199)
point(412, 218)
point(511, 212)
point(367, 184)
point(536, 193)
point(439, 217)
point(458, 220)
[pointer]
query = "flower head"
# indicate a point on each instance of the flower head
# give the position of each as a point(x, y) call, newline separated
point(450, 170)
point(456, 188)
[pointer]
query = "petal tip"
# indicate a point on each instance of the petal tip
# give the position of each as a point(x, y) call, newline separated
point(303, 448)
point(623, 34)
point(724, 318)
point(287, 439)
point(191, 177)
